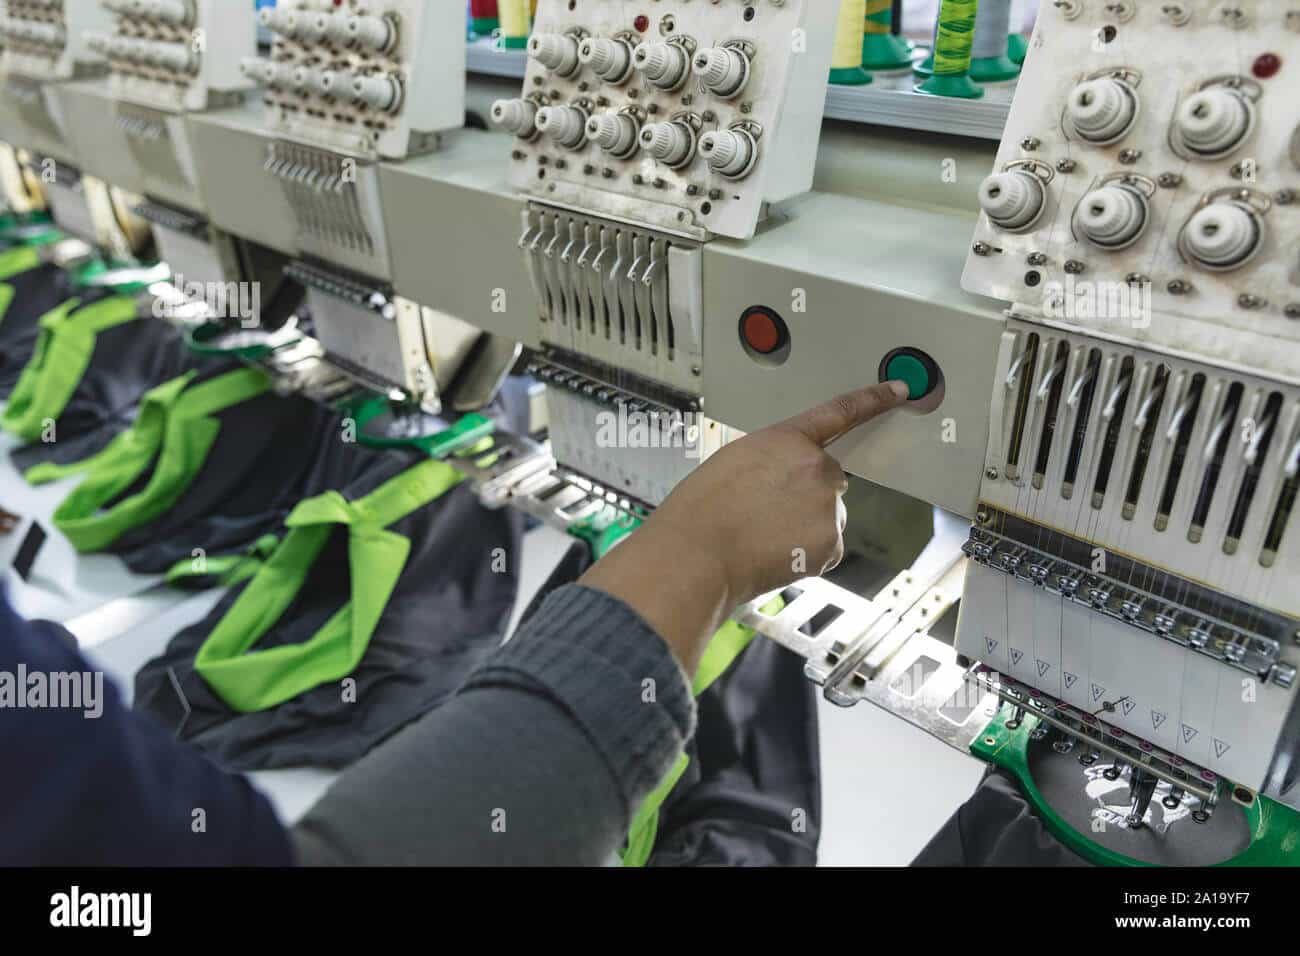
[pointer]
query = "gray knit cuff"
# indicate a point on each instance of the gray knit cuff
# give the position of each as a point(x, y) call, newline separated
point(595, 658)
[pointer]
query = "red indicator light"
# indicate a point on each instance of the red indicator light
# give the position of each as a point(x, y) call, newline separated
point(1266, 65)
point(642, 23)
point(761, 333)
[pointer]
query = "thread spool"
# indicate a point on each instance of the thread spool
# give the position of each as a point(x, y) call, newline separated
point(514, 18)
point(926, 67)
point(483, 17)
point(989, 61)
point(846, 59)
point(1017, 42)
point(952, 52)
point(882, 49)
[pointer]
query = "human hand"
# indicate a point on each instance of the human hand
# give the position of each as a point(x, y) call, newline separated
point(767, 508)
point(744, 523)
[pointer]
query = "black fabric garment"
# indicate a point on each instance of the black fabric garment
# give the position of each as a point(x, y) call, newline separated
point(446, 613)
point(996, 827)
point(272, 451)
point(751, 794)
point(128, 360)
point(36, 292)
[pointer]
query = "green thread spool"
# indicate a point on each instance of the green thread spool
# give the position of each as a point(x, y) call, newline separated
point(1017, 42)
point(1017, 47)
point(846, 61)
point(881, 49)
point(952, 52)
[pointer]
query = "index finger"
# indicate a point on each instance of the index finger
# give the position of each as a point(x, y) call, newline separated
point(833, 419)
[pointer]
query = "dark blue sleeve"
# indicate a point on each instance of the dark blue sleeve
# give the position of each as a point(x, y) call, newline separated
point(84, 780)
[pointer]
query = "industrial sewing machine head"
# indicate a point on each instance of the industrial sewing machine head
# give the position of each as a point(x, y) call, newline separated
point(1127, 615)
point(346, 88)
point(639, 137)
point(167, 60)
point(1131, 543)
point(45, 49)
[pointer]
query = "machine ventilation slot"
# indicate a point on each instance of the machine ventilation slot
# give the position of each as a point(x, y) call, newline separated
point(1148, 421)
point(1080, 398)
point(1049, 390)
point(1022, 368)
point(1216, 450)
point(1113, 414)
point(821, 620)
point(1180, 431)
point(1258, 442)
point(1285, 504)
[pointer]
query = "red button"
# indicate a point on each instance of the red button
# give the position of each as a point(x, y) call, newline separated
point(761, 333)
point(1266, 65)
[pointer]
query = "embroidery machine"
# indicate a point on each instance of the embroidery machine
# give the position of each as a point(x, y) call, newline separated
point(1097, 323)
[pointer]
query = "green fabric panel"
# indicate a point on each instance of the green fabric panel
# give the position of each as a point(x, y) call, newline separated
point(18, 259)
point(643, 832)
point(228, 569)
point(249, 680)
point(63, 351)
point(175, 430)
point(724, 647)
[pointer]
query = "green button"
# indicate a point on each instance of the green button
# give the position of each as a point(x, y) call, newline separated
point(909, 369)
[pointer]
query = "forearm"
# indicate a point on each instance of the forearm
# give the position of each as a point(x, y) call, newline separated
point(541, 758)
point(672, 584)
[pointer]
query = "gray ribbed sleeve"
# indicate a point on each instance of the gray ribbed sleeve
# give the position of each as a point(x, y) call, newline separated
point(541, 757)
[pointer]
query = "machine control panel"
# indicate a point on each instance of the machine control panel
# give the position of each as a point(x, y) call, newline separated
point(175, 55)
point(47, 39)
point(686, 117)
point(373, 78)
point(1148, 184)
